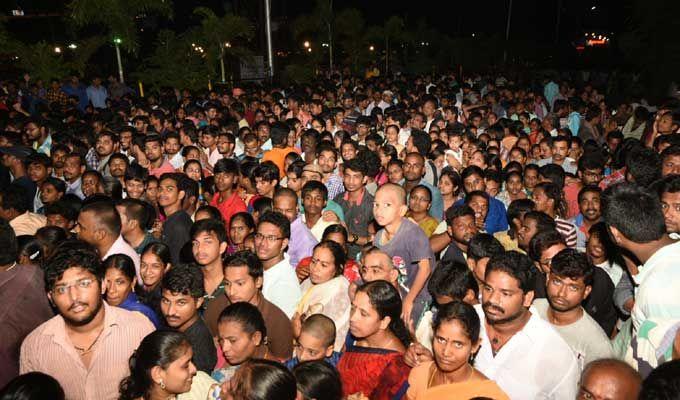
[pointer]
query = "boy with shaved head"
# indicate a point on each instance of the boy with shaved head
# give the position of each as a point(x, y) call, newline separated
point(316, 342)
point(408, 246)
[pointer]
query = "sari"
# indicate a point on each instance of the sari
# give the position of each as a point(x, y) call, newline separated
point(420, 389)
point(331, 299)
point(378, 374)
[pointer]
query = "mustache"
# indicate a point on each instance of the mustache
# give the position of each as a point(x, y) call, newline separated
point(491, 306)
point(76, 304)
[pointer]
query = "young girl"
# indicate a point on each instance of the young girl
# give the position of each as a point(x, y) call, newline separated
point(395, 171)
point(513, 189)
point(449, 186)
point(241, 225)
point(373, 365)
point(154, 263)
point(419, 202)
point(387, 154)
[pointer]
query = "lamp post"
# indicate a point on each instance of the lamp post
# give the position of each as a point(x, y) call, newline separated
point(117, 41)
point(268, 32)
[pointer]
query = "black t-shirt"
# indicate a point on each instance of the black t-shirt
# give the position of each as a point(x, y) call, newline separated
point(176, 233)
point(205, 354)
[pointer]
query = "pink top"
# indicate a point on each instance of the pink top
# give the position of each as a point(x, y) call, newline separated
point(48, 349)
point(165, 167)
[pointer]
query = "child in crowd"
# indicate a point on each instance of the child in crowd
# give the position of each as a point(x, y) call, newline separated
point(315, 342)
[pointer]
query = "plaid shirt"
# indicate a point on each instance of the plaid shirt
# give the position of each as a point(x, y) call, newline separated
point(56, 96)
point(334, 186)
point(92, 160)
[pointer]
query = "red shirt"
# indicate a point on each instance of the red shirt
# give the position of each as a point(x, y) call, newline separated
point(228, 207)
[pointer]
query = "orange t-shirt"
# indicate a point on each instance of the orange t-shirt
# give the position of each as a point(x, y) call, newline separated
point(277, 156)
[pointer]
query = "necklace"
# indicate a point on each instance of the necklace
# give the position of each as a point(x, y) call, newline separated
point(11, 267)
point(83, 351)
point(446, 380)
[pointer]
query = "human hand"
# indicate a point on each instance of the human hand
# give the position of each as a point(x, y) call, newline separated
point(406, 308)
point(415, 354)
point(302, 272)
point(330, 216)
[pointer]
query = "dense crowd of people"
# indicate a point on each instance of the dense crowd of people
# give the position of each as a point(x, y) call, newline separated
point(420, 237)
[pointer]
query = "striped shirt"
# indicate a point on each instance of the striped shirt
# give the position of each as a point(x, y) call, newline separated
point(48, 349)
point(567, 230)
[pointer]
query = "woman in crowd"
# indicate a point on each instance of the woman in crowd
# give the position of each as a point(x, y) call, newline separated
point(242, 335)
point(451, 375)
point(449, 186)
point(154, 263)
point(49, 237)
point(387, 153)
point(161, 368)
point(120, 281)
point(372, 365)
point(262, 380)
point(30, 250)
point(32, 386)
point(419, 202)
point(338, 234)
point(513, 189)
point(241, 225)
point(326, 290)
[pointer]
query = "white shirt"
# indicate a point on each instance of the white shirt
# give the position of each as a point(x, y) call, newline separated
point(536, 363)
point(655, 295)
point(585, 336)
point(120, 246)
point(281, 287)
point(177, 161)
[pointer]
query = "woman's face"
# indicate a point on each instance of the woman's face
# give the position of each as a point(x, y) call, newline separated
point(419, 201)
point(514, 185)
point(134, 188)
point(395, 174)
point(236, 344)
point(322, 268)
point(193, 171)
point(391, 135)
point(179, 374)
point(294, 183)
point(445, 186)
point(452, 347)
point(594, 247)
point(530, 178)
point(238, 230)
point(338, 238)
point(118, 286)
point(152, 269)
point(152, 191)
point(364, 320)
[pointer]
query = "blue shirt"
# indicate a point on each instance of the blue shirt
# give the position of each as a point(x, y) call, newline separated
point(132, 304)
point(496, 218)
point(79, 92)
point(97, 96)
point(332, 360)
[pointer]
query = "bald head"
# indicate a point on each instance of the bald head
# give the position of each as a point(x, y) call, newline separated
point(321, 327)
point(394, 191)
point(609, 379)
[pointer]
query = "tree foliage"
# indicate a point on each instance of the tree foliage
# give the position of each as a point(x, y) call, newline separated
point(117, 17)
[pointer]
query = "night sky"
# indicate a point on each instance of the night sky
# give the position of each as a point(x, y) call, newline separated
point(531, 19)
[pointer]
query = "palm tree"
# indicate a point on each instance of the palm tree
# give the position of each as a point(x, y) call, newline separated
point(222, 36)
point(320, 22)
point(117, 17)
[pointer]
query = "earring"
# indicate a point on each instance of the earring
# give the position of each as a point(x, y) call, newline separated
point(162, 384)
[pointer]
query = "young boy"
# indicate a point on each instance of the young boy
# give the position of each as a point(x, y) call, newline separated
point(315, 342)
point(171, 193)
point(226, 172)
point(408, 246)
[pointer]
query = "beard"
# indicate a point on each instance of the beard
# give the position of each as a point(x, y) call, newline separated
point(500, 320)
point(87, 318)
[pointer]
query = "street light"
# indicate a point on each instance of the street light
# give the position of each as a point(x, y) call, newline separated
point(371, 48)
point(117, 41)
point(57, 49)
point(72, 46)
point(306, 44)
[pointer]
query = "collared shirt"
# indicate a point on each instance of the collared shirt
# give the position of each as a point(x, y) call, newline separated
point(45, 147)
point(302, 241)
point(92, 159)
point(75, 188)
point(535, 363)
point(228, 207)
point(97, 96)
point(655, 295)
point(177, 161)
point(318, 228)
point(281, 287)
point(496, 217)
point(120, 246)
point(358, 215)
point(334, 185)
point(213, 156)
point(163, 168)
point(568, 165)
point(27, 223)
point(48, 349)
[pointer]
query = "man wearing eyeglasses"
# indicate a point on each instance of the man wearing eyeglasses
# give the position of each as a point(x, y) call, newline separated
point(86, 348)
point(280, 284)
